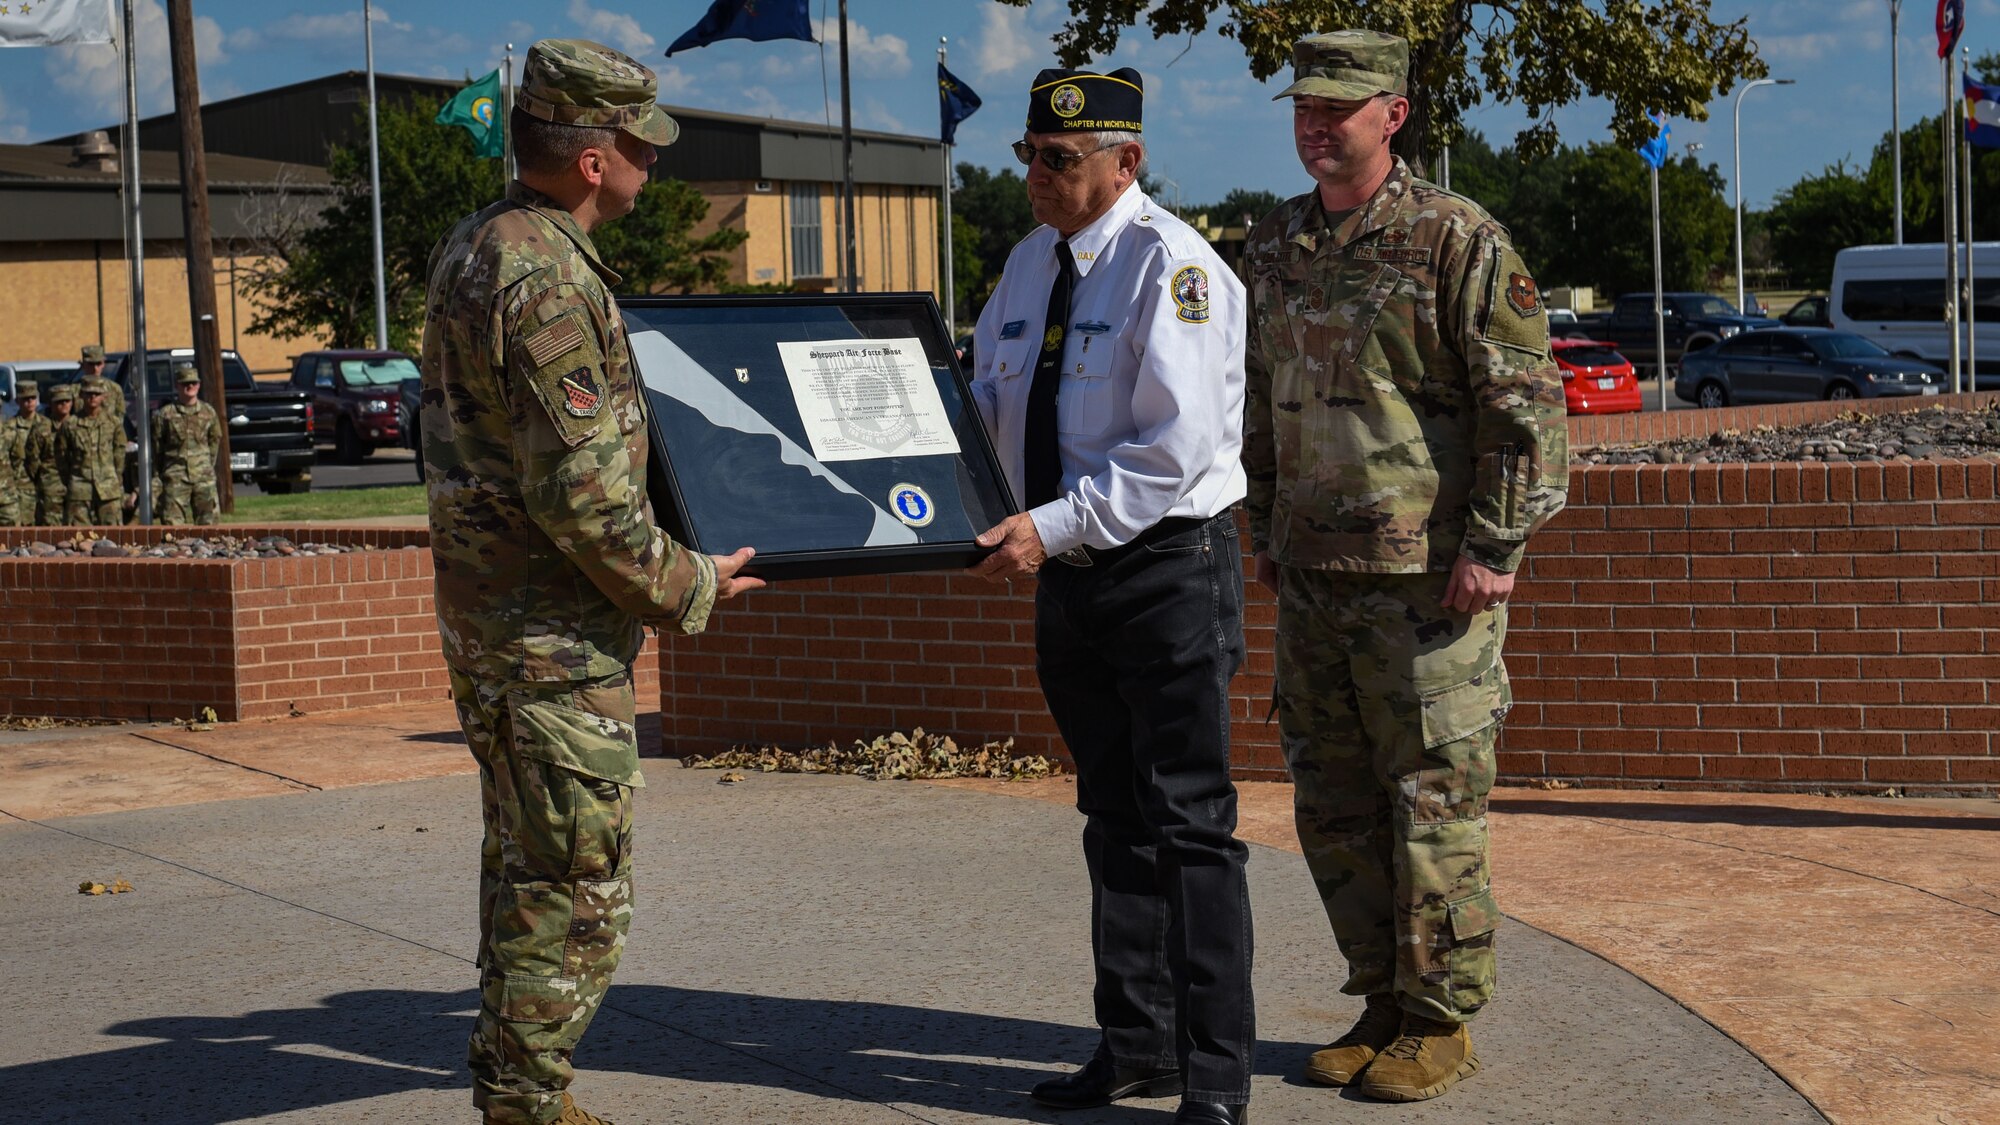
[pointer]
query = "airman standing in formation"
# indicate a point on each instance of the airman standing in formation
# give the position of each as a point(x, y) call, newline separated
point(90, 453)
point(17, 488)
point(186, 439)
point(91, 366)
point(1404, 437)
point(38, 452)
point(49, 483)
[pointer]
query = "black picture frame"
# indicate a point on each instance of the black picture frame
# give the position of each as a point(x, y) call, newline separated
point(733, 464)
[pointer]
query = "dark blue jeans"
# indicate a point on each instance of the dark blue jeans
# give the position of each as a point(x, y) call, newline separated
point(1135, 654)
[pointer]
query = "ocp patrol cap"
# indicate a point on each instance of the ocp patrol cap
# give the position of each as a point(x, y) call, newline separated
point(92, 353)
point(577, 82)
point(25, 389)
point(1064, 101)
point(1349, 66)
point(62, 392)
point(185, 373)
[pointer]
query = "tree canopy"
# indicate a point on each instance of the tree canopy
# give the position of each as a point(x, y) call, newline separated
point(989, 213)
point(319, 274)
point(1641, 55)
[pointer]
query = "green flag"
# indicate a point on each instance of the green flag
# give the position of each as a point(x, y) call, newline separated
point(477, 107)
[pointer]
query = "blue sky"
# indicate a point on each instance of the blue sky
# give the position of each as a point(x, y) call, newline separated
point(1209, 125)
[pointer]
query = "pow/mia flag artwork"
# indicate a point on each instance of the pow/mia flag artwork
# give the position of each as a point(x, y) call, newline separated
point(46, 23)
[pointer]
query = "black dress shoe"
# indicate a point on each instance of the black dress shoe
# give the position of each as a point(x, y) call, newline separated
point(1211, 1113)
point(1102, 1082)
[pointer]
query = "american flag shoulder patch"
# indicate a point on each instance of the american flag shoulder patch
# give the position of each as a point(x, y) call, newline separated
point(553, 342)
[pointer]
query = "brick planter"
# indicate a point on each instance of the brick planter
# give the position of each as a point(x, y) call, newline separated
point(252, 638)
point(1817, 627)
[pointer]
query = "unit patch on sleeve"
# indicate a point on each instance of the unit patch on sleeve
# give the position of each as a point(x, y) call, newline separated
point(1190, 290)
point(557, 339)
point(582, 396)
point(1522, 296)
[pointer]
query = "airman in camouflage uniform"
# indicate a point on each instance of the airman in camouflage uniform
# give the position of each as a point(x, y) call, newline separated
point(49, 486)
point(90, 454)
point(37, 448)
point(1403, 436)
point(186, 438)
point(17, 487)
point(90, 365)
point(548, 562)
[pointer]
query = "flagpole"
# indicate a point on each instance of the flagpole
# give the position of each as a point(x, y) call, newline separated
point(1659, 295)
point(950, 297)
point(375, 181)
point(507, 117)
point(1951, 226)
point(847, 156)
point(1971, 236)
point(141, 385)
point(1896, 112)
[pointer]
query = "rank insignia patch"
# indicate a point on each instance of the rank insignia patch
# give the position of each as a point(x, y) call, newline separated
point(1522, 296)
point(581, 395)
point(1190, 290)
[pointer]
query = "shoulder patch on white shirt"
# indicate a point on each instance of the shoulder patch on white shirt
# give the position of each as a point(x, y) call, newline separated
point(1190, 290)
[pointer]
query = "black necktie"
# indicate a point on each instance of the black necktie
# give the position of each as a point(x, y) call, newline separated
point(1042, 461)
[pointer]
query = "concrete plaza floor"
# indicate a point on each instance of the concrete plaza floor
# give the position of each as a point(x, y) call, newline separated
point(832, 950)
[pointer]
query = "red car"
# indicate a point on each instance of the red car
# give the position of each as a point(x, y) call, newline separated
point(1596, 379)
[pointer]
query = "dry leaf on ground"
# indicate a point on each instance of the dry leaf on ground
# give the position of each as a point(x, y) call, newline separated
point(898, 755)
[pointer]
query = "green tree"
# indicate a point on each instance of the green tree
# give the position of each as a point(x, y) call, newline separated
point(1240, 202)
point(1813, 219)
point(320, 277)
point(995, 207)
point(1641, 55)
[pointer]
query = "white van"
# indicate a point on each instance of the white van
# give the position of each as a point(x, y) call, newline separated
point(1894, 295)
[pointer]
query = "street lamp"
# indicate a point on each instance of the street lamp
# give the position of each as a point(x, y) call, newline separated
point(1693, 147)
point(1739, 177)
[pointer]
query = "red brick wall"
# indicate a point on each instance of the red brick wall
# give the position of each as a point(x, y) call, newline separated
point(1774, 626)
point(1651, 424)
point(252, 638)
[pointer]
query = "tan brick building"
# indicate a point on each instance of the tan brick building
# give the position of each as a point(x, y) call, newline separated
point(63, 267)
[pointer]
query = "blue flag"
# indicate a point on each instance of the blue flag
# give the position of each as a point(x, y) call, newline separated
point(956, 102)
point(755, 20)
point(1654, 152)
point(1982, 114)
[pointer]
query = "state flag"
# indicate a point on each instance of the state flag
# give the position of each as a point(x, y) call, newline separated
point(756, 20)
point(43, 23)
point(477, 108)
point(1982, 114)
point(1950, 25)
point(956, 102)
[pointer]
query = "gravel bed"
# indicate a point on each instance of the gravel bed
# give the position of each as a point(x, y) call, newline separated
point(1934, 434)
point(94, 545)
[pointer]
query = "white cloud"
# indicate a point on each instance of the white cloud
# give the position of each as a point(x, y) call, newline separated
point(93, 75)
point(757, 101)
point(616, 28)
point(1809, 46)
point(1005, 42)
point(13, 123)
point(875, 115)
point(878, 56)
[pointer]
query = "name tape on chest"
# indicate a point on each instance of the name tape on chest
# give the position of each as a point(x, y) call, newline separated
point(1012, 329)
point(1374, 252)
point(553, 342)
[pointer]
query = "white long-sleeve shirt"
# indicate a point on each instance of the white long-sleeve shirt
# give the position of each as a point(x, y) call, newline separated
point(1149, 415)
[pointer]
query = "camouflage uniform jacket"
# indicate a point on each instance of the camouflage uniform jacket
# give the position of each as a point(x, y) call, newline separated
point(1403, 408)
point(90, 453)
point(535, 452)
point(42, 467)
point(186, 438)
point(17, 487)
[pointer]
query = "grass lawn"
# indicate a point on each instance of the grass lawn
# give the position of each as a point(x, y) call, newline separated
point(338, 504)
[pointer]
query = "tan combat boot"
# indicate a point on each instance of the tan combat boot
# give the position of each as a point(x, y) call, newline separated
point(1342, 1061)
point(1424, 1061)
point(571, 1115)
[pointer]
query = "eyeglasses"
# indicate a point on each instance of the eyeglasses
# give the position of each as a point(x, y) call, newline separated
point(1054, 159)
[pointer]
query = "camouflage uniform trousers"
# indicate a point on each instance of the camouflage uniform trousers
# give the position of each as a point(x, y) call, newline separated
point(558, 762)
point(84, 511)
point(1389, 706)
point(178, 500)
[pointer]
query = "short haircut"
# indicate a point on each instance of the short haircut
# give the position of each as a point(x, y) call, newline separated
point(1109, 137)
point(544, 148)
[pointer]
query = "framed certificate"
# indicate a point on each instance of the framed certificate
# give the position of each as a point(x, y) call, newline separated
point(835, 433)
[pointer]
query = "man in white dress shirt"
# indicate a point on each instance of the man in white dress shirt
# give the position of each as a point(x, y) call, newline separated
point(1110, 374)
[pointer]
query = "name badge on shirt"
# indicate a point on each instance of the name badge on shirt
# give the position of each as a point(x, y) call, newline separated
point(1012, 329)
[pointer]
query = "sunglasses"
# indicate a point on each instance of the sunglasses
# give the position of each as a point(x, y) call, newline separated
point(1054, 159)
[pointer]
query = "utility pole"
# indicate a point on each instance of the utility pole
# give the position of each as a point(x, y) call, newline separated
point(200, 253)
point(135, 249)
point(847, 159)
point(1896, 112)
point(375, 180)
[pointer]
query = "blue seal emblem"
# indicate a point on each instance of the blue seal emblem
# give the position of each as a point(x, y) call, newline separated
point(912, 505)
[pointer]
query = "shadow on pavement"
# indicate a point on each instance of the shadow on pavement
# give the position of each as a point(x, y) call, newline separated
point(1757, 816)
point(369, 1043)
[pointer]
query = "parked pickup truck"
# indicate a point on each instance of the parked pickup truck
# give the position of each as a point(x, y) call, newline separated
point(1694, 321)
point(354, 395)
point(270, 429)
point(410, 416)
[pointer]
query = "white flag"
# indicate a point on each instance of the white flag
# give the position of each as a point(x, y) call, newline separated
point(40, 23)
